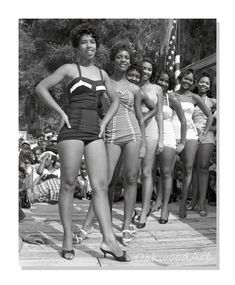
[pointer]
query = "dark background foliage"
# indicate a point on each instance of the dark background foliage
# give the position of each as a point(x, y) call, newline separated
point(44, 45)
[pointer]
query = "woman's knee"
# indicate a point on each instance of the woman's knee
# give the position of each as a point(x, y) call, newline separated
point(188, 169)
point(99, 186)
point(165, 173)
point(203, 167)
point(131, 178)
point(146, 172)
point(68, 183)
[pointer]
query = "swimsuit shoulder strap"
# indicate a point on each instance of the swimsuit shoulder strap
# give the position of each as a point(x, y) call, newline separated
point(79, 70)
point(101, 75)
point(167, 99)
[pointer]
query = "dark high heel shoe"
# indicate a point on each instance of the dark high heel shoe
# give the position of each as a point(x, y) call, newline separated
point(140, 225)
point(203, 213)
point(121, 258)
point(163, 221)
point(151, 211)
point(66, 252)
point(133, 218)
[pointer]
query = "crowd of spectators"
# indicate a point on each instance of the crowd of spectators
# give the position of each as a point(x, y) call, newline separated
point(39, 176)
point(39, 172)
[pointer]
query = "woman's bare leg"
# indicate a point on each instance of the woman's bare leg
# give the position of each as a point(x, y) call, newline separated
point(147, 179)
point(195, 186)
point(96, 162)
point(113, 153)
point(70, 152)
point(131, 153)
point(166, 159)
point(187, 155)
point(115, 159)
point(204, 153)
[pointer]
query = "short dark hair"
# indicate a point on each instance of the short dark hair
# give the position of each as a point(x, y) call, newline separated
point(40, 135)
point(209, 93)
point(135, 66)
point(37, 148)
point(186, 72)
point(83, 29)
point(153, 76)
point(171, 78)
point(206, 74)
point(118, 46)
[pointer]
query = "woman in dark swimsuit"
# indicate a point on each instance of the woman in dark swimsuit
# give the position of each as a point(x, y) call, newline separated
point(80, 133)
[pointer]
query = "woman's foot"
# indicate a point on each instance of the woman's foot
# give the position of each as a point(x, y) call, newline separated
point(203, 211)
point(113, 248)
point(81, 235)
point(67, 246)
point(155, 207)
point(190, 207)
point(135, 217)
point(182, 210)
point(68, 254)
point(126, 237)
point(164, 215)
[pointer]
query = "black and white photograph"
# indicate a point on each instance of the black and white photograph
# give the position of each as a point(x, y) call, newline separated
point(118, 143)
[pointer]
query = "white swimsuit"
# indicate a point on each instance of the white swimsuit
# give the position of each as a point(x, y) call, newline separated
point(200, 119)
point(188, 107)
point(151, 130)
point(168, 129)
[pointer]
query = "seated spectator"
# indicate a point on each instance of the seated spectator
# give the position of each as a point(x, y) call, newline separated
point(53, 140)
point(43, 145)
point(26, 159)
point(48, 165)
point(46, 187)
point(37, 151)
point(46, 191)
point(211, 193)
point(83, 187)
point(23, 199)
point(52, 147)
point(25, 144)
point(40, 138)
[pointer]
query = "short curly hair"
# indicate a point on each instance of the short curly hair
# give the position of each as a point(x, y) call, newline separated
point(186, 72)
point(135, 66)
point(83, 29)
point(170, 76)
point(209, 92)
point(119, 46)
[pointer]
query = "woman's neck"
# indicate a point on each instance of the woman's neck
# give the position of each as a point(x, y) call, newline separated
point(202, 95)
point(182, 91)
point(144, 83)
point(118, 76)
point(85, 62)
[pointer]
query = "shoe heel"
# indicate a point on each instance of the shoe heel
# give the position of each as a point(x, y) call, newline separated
point(104, 252)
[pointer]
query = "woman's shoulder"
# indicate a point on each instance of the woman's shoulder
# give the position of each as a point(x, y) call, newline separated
point(212, 100)
point(133, 87)
point(157, 87)
point(195, 97)
point(68, 69)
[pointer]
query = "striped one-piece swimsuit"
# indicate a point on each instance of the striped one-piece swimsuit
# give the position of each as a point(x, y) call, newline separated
point(123, 127)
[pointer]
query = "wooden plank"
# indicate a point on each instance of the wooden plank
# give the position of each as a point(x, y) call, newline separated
point(181, 243)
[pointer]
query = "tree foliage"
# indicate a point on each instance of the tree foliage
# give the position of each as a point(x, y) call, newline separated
point(44, 45)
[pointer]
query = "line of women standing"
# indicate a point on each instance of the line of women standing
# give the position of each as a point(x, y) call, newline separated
point(124, 129)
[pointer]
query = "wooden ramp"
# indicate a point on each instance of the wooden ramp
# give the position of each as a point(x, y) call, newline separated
point(180, 244)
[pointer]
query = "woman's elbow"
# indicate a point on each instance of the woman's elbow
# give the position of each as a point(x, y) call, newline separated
point(38, 89)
